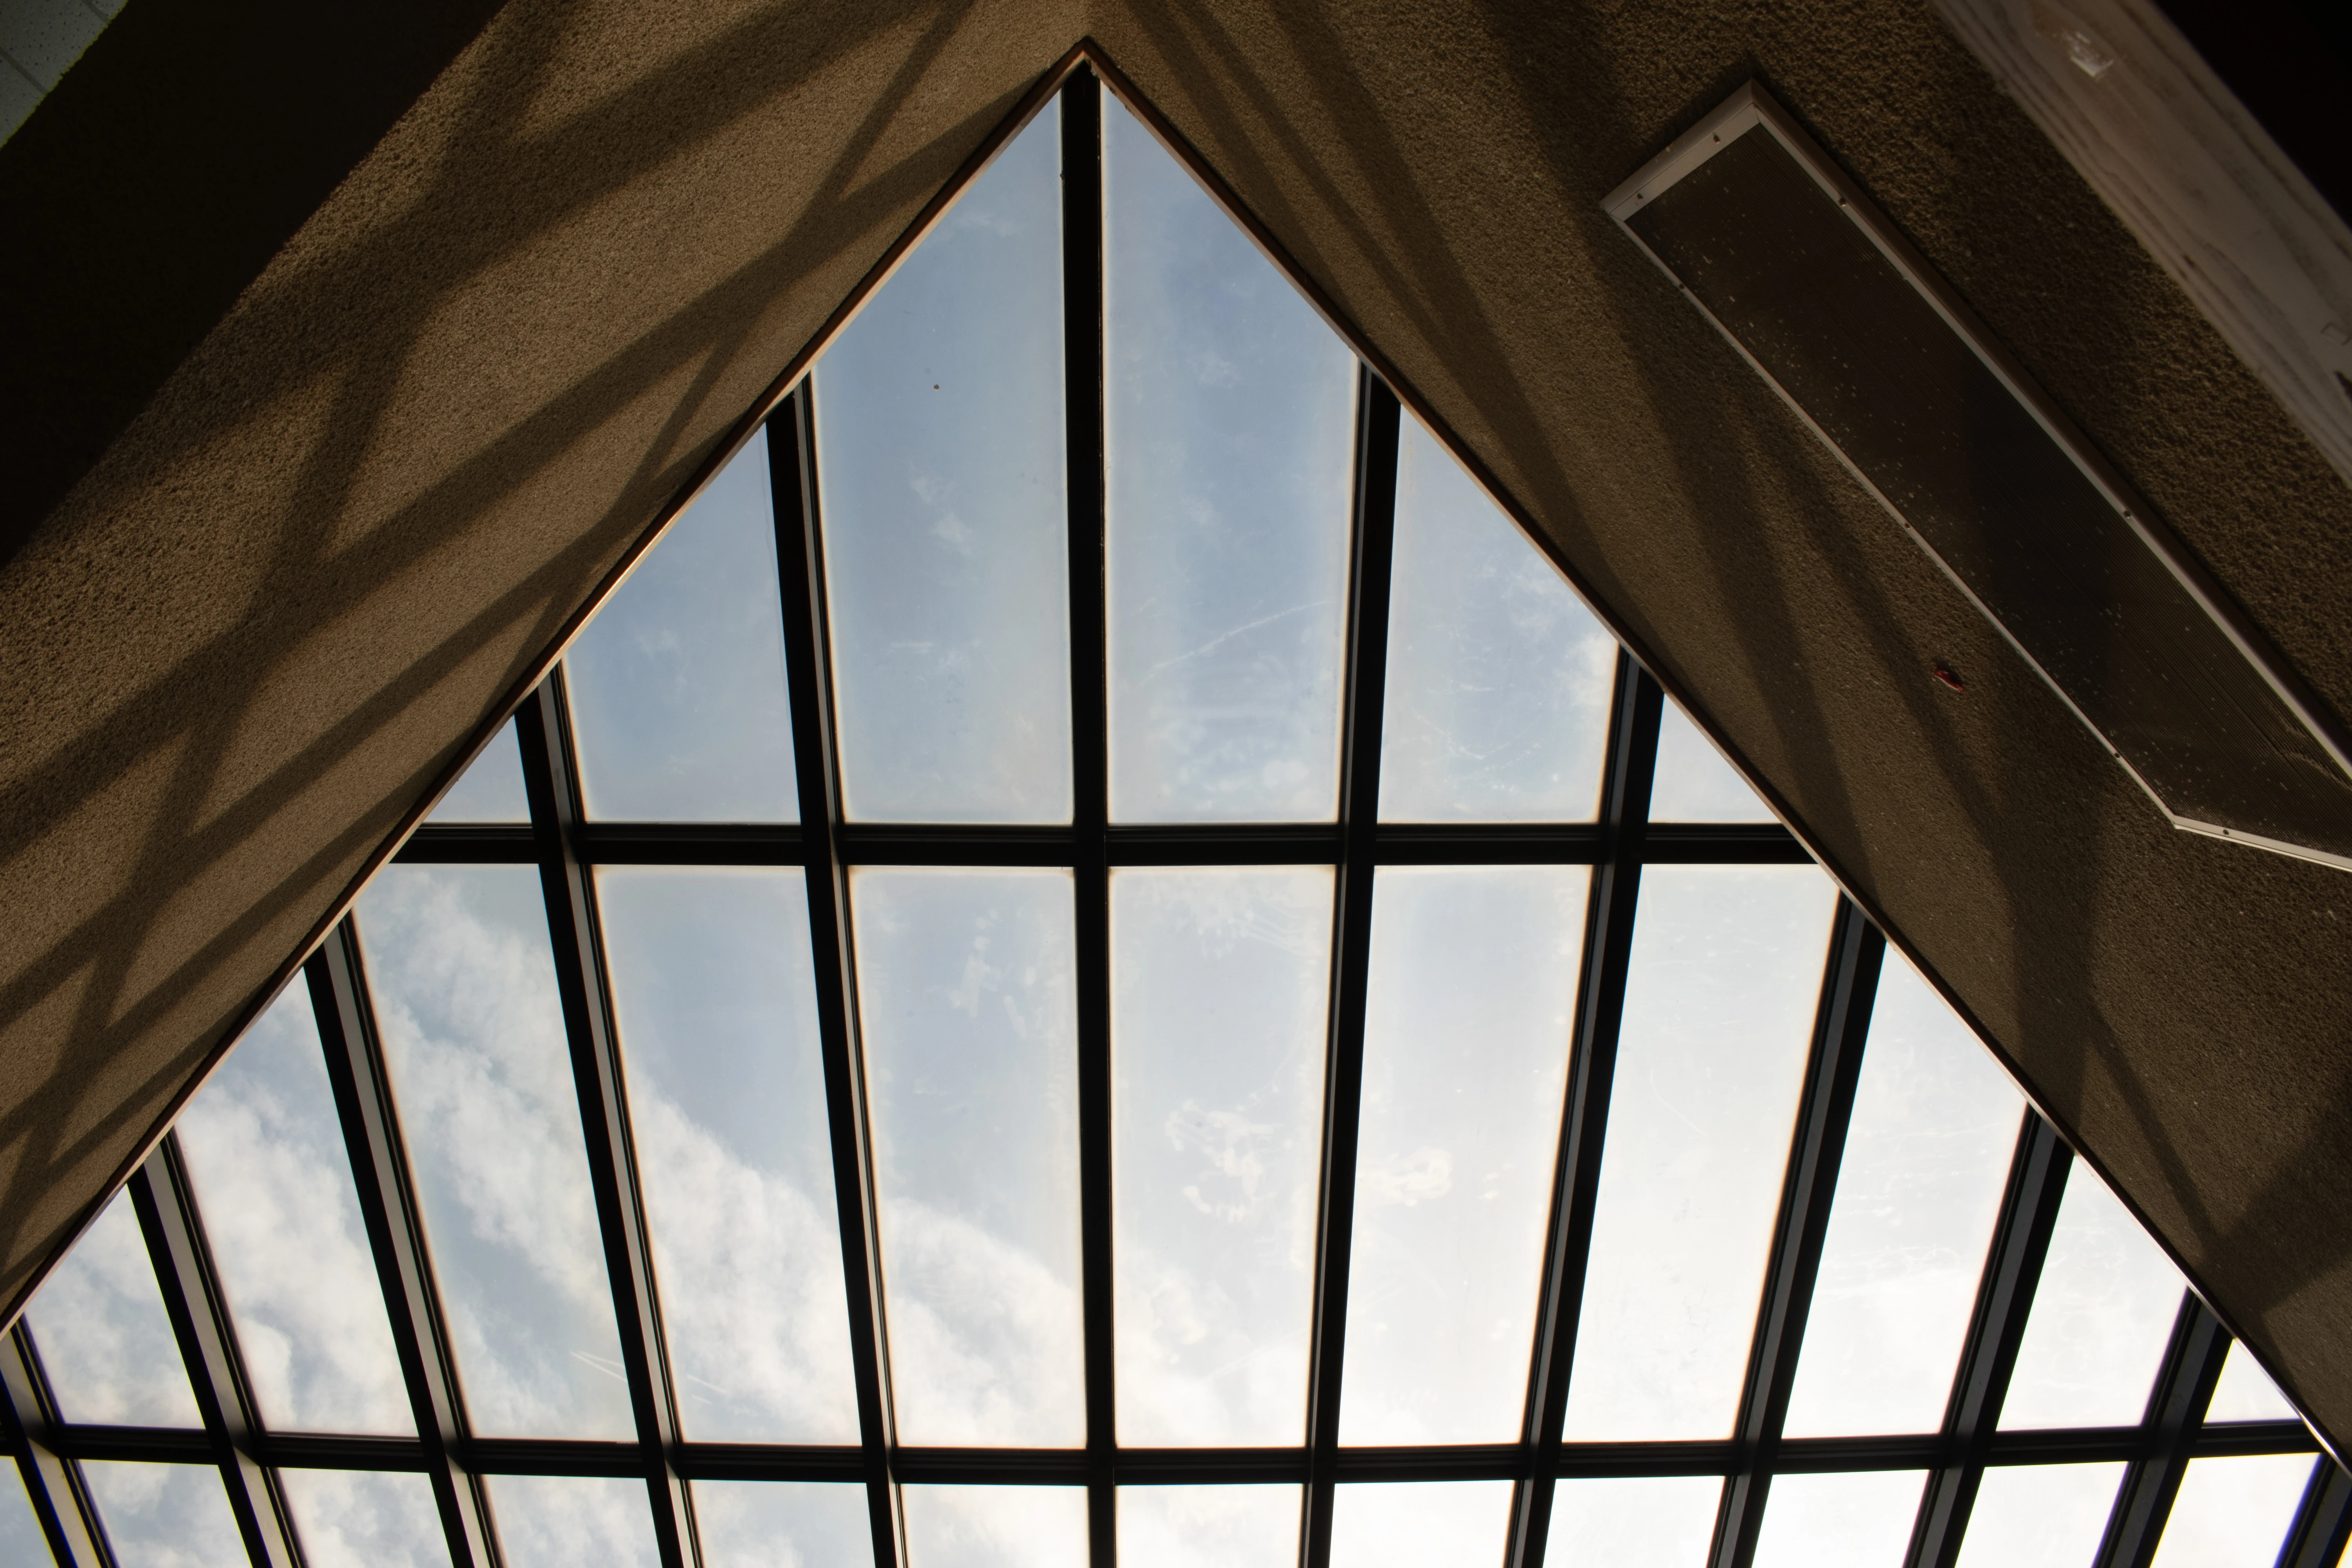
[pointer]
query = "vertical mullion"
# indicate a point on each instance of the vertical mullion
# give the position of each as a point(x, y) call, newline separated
point(1377, 425)
point(551, 781)
point(2322, 1522)
point(2176, 1415)
point(1082, 346)
point(395, 1227)
point(1635, 708)
point(800, 565)
point(2029, 1212)
point(166, 1205)
point(53, 1483)
point(1841, 1031)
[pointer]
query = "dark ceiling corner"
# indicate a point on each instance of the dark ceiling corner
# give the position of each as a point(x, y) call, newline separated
point(157, 181)
point(2290, 63)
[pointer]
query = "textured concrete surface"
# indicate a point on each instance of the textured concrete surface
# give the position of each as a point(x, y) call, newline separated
point(305, 551)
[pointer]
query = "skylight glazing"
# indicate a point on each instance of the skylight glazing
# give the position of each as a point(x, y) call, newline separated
point(1152, 991)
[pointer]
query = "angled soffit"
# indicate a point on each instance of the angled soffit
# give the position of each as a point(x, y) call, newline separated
point(302, 563)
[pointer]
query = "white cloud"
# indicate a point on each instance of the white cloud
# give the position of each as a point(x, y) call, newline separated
point(273, 1182)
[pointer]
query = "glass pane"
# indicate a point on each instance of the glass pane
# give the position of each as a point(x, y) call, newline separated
point(491, 789)
point(1857, 1520)
point(1208, 1526)
point(465, 993)
point(1634, 1522)
point(1499, 679)
point(351, 1518)
point(716, 1005)
point(1420, 1524)
point(1466, 1058)
point(21, 1539)
point(1219, 985)
point(2247, 1393)
point(2101, 1316)
point(966, 1002)
point(996, 1527)
point(1927, 1158)
point(165, 1516)
point(762, 1524)
point(265, 1152)
point(677, 686)
point(2040, 1516)
point(573, 1521)
point(2233, 1512)
point(1694, 783)
point(1230, 413)
point(1727, 969)
point(104, 1335)
point(946, 522)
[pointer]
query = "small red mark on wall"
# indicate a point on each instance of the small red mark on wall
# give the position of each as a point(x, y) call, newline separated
point(1944, 673)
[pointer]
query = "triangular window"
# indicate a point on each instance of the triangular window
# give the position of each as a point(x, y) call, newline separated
point(1097, 959)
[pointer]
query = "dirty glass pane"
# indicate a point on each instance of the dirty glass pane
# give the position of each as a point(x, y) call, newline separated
point(782, 1524)
point(1219, 984)
point(491, 789)
point(1419, 1524)
point(2246, 1393)
point(2233, 1512)
point(21, 1539)
point(1926, 1159)
point(351, 1518)
point(677, 696)
point(103, 1334)
point(1719, 999)
point(996, 1527)
point(967, 1005)
point(1860, 1519)
point(2040, 1516)
point(939, 431)
point(165, 1516)
point(2101, 1317)
point(1634, 1522)
point(715, 1000)
point(464, 983)
point(1208, 1526)
point(1230, 422)
point(273, 1180)
point(1499, 677)
point(1473, 974)
point(573, 1521)
point(1694, 783)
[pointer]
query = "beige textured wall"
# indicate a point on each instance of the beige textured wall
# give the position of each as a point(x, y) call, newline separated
point(260, 630)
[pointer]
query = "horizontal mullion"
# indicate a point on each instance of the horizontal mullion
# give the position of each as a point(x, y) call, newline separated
point(469, 846)
point(328, 1451)
point(139, 1444)
point(766, 1462)
point(1168, 1467)
point(873, 844)
point(2253, 1438)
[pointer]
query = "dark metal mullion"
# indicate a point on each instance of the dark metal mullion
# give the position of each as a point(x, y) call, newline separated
point(2176, 1415)
point(550, 779)
point(1840, 1029)
point(800, 564)
point(53, 1480)
point(2323, 1520)
point(1635, 706)
point(166, 1204)
point(1376, 430)
point(395, 1227)
point(1082, 382)
point(2020, 1241)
